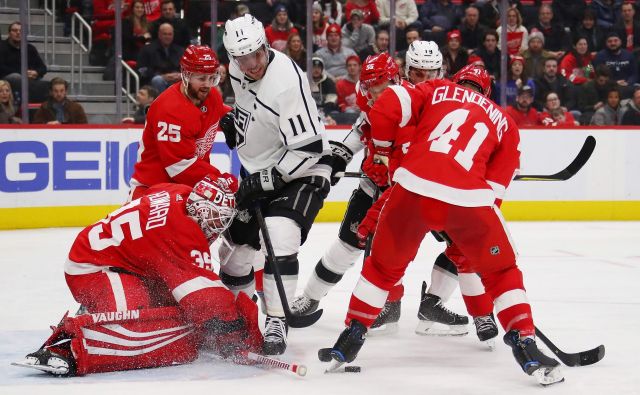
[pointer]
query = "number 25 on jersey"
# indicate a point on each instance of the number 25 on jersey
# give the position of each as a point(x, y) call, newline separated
point(168, 132)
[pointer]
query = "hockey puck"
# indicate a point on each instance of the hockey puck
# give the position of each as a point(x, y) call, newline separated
point(352, 369)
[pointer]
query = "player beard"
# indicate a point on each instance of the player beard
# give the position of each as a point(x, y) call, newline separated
point(199, 95)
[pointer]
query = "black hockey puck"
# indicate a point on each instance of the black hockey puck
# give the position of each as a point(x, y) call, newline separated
point(352, 369)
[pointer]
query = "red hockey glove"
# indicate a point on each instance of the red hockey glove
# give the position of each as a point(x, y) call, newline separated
point(374, 167)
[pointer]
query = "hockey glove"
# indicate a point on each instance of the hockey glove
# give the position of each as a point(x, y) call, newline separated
point(376, 168)
point(258, 185)
point(228, 126)
point(341, 155)
point(368, 225)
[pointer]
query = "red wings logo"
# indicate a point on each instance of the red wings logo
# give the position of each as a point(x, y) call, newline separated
point(204, 144)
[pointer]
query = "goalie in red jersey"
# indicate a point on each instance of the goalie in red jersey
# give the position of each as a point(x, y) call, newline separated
point(463, 156)
point(144, 276)
point(181, 127)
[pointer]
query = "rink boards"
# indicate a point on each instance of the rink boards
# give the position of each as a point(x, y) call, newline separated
point(73, 176)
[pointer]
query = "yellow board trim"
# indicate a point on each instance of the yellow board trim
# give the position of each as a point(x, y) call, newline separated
point(47, 217)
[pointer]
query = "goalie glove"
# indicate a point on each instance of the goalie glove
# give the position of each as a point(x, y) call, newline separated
point(259, 185)
point(227, 124)
point(341, 155)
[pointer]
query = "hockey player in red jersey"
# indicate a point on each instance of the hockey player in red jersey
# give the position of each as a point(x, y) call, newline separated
point(144, 276)
point(181, 127)
point(462, 158)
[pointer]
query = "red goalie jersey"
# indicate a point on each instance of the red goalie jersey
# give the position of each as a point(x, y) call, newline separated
point(464, 150)
point(177, 139)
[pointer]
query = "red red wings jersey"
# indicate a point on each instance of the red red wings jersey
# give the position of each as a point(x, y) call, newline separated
point(177, 139)
point(150, 232)
point(465, 147)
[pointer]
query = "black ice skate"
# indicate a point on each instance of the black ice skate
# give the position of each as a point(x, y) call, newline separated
point(486, 329)
point(275, 335)
point(349, 342)
point(303, 305)
point(49, 361)
point(387, 321)
point(532, 361)
point(436, 320)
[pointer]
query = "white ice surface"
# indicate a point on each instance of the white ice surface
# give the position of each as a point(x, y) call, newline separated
point(583, 281)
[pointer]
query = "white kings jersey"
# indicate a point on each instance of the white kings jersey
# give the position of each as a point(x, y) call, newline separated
point(277, 121)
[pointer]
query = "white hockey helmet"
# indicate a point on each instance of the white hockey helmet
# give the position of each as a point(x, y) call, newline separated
point(243, 36)
point(424, 55)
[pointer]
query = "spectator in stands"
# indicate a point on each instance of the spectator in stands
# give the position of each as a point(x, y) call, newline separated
point(181, 34)
point(356, 34)
point(323, 89)
point(380, 45)
point(320, 26)
point(145, 96)
point(59, 109)
point(621, 63)
point(628, 28)
point(437, 18)
point(7, 106)
point(516, 79)
point(552, 81)
point(280, 29)
point(105, 9)
point(606, 11)
point(369, 10)
point(569, 12)
point(406, 13)
point(332, 11)
point(490, 13)
point(135, 31)
point(611, 112)
point(454, 55)
point(523, 112)
point(631, 114)
point(402, 64)
point(556, 39)
point(555, 114)
point(588, 28)
point(411, 34)
point(10, 66)
point(490, 54)
point(593, 94)
point(296, 51)
point(535, 55)
point(471, 30)
point(346, 87)
point(159, 62)
point(334, 55)
point(577, 65)
point(517, 34)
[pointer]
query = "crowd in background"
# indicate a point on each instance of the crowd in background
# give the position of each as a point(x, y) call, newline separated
point(570, 62)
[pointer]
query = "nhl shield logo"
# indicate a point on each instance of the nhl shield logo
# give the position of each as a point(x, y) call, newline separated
point(495, 250)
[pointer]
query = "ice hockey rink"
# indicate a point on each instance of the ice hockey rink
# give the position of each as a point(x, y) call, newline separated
point(582, 280)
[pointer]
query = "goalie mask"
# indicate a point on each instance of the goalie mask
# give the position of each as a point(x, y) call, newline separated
point(212, 205)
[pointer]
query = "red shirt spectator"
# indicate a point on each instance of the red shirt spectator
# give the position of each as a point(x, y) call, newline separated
point(523, 112)
point(368, 7)
point(577, 66)
point(346, 87)
point(280, 29)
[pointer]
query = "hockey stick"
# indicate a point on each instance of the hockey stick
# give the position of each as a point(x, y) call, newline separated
point(294, 321)
point(588, 357)
point(298, 369)
point(574, 167)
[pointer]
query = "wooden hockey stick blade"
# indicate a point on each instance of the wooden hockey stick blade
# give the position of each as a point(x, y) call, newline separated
point(571, 170)
point(294, 321)
point(583, 358)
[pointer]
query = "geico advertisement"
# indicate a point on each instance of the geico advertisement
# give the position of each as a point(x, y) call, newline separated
point(66, 167)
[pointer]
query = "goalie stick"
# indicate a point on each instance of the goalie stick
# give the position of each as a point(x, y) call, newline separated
point(583, 358)
point(293, 320)
point(574, 167)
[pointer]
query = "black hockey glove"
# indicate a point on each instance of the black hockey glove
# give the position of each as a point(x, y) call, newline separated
point(258, 185)
point(341, 155)
point(227, 124)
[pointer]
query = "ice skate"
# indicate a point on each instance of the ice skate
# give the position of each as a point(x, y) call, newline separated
point(387, 321)
point(349, 343)
point(436, 320)
point(532, 361)
point(275, 335)
point(48, 361)
point(303, 305)
point(486, 330)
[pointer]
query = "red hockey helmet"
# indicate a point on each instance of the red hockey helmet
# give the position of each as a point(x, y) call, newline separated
point(212, 205)
point(199, 59)
point(474, 75)
point(377, 69)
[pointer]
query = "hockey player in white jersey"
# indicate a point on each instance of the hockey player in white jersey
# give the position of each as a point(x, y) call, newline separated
point(285, 158)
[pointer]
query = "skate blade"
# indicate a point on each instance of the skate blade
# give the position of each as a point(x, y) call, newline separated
point(335, 367)
point(491, 344)
point(548, 376)
point(430, 328)
point(43, 368)
point(384, 330)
